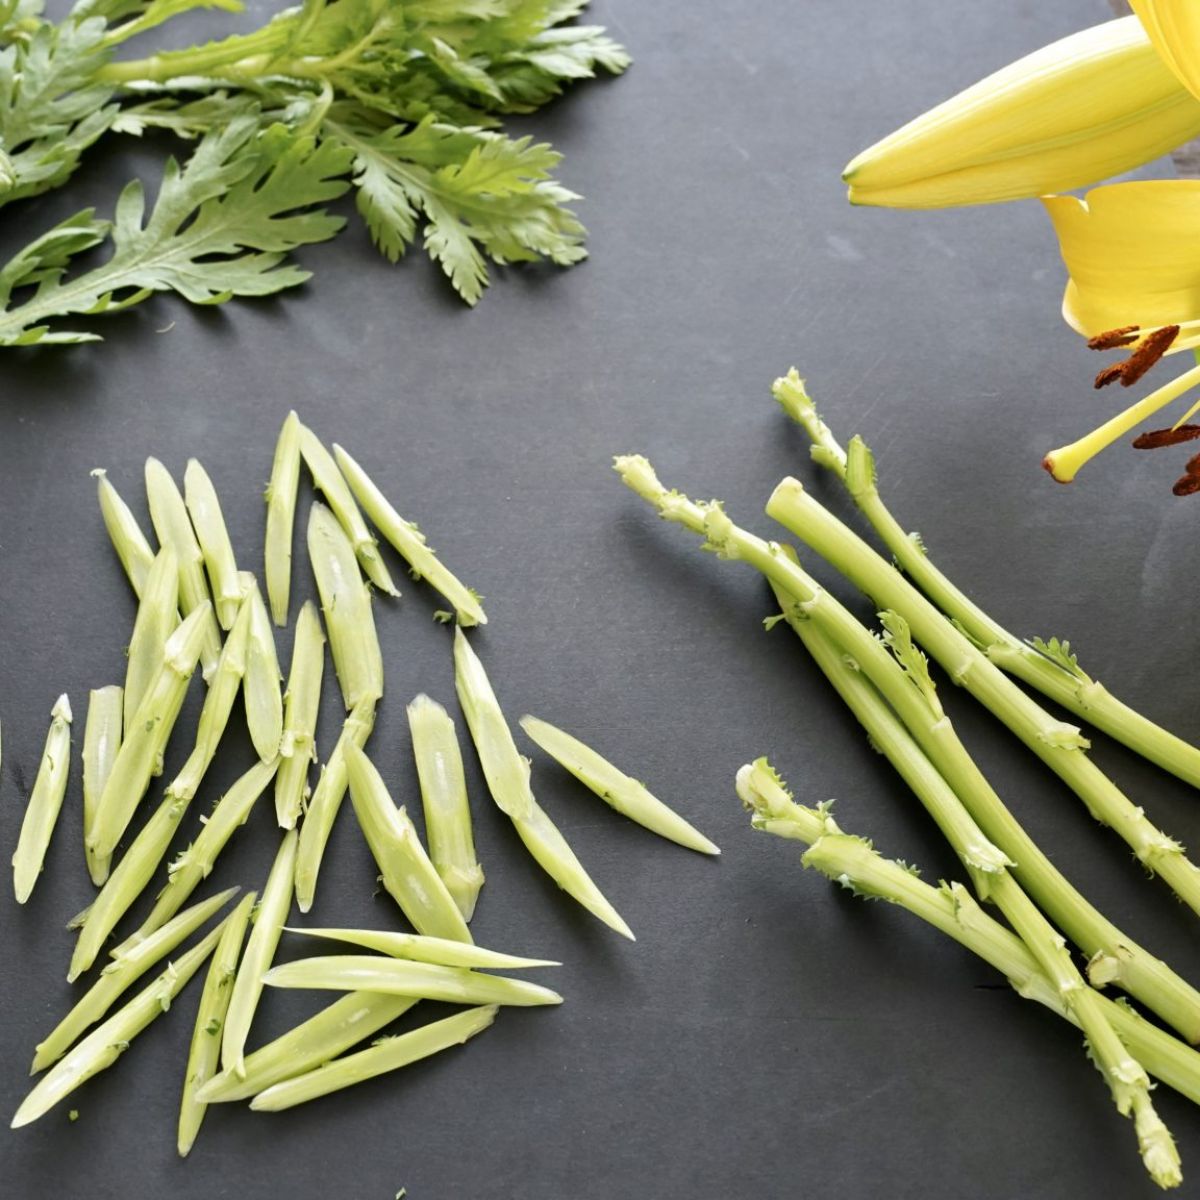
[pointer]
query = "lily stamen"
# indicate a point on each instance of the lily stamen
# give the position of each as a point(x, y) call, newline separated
point(1112, 339)
point(1156, 438)
point(1146, 352)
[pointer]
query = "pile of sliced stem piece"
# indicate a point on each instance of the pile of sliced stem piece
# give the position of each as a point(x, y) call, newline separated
point(197, 608)
point(885, 681)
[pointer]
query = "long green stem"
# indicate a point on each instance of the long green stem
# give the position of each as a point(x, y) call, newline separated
point(281, 518)
point(852, 862)
point(204, 507)
point(1126, 1079)
point(1059, 746)
point(1117, 957)
point(420, 948)
point(157, 618)
point(1048, 667)
point(296, 747)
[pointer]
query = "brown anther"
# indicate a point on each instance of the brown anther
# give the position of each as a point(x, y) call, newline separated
point(1155, 438)
point(1109, 374)
point(1192, 466)
point(1146, 353)
point(1186, 485)
point(1110, 339)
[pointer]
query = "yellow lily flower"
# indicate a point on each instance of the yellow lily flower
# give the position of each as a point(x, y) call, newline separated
point(1093, 105)
point(1132, 251)
point(1173, 27)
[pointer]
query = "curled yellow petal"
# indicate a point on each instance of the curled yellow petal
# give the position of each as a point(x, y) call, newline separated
point(1173, 27)
point(1093, 105)
point(1132, 251)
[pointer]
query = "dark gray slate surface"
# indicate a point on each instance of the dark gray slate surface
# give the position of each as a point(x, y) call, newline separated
point(767, 1035)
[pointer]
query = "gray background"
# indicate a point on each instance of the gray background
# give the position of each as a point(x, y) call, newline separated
point(767, 1035)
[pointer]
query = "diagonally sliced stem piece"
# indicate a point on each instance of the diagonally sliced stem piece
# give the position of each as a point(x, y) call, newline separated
point(169, 516)
point(403, 977)
point(388, 1054)
point(146, 739)
point(185, 874)
point(342, 1024)
point(1124, 1075)
point(507, 775)
point(1048, 666)
point(281, 517)
point(326, 800)
point(1058, 745)
point(260, 950)
point(629, 797)
point(205, 1050)
point(261, 681)
point(420, 948)
point(141, 860)
point(329, 482)
point(204, 508)
point(124, 532)
point(851, 862)
point(1117, 958)
point(45, 801)
point(121, 973)
point(346, 604)
point(101, 741)
point(410, 543)
point(408, 875)
point(157, 618)
point(297, 748)
point(105, 1044)
point(444, 796)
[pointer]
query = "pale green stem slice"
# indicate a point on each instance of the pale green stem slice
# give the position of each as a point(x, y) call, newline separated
point(629, 797)
point(507, 773)
point(105, 1044)
point(260, 684)
point(552, 853)
point(157, 618)
point(101, 741)
point(852, 863)
point(297, 748)
point(45, 801)
point(329, 482)
point(260, 950)
point(337, 1027)
point(410, 543)
point(194, 864)
point(327, 798)
point(444, 796)
point(124, 532)
point(504, 767)
point(281, 517)
point(420, 948)
point(223, 688)
point(120, 974)
point(169, 516)
point(403, 977)
point(346, 603)
point(144, 742)
point(387, 1054)
point(205, 1051)
point(204, 507)
point(408, 875)
point(127, 882)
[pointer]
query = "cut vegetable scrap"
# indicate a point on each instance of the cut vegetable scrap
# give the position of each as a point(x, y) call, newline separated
point(45, 802)
point(297, 748)
point(101, 741)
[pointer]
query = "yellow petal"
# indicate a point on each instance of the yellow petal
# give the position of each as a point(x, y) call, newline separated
point(1083, 109)
point(1133, 254)
point(1174, 28)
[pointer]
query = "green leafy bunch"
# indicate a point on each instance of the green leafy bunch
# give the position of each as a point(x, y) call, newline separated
point(400, 100)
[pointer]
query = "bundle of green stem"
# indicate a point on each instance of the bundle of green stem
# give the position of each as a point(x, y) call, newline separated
point(397, 100)
point(886, 683)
